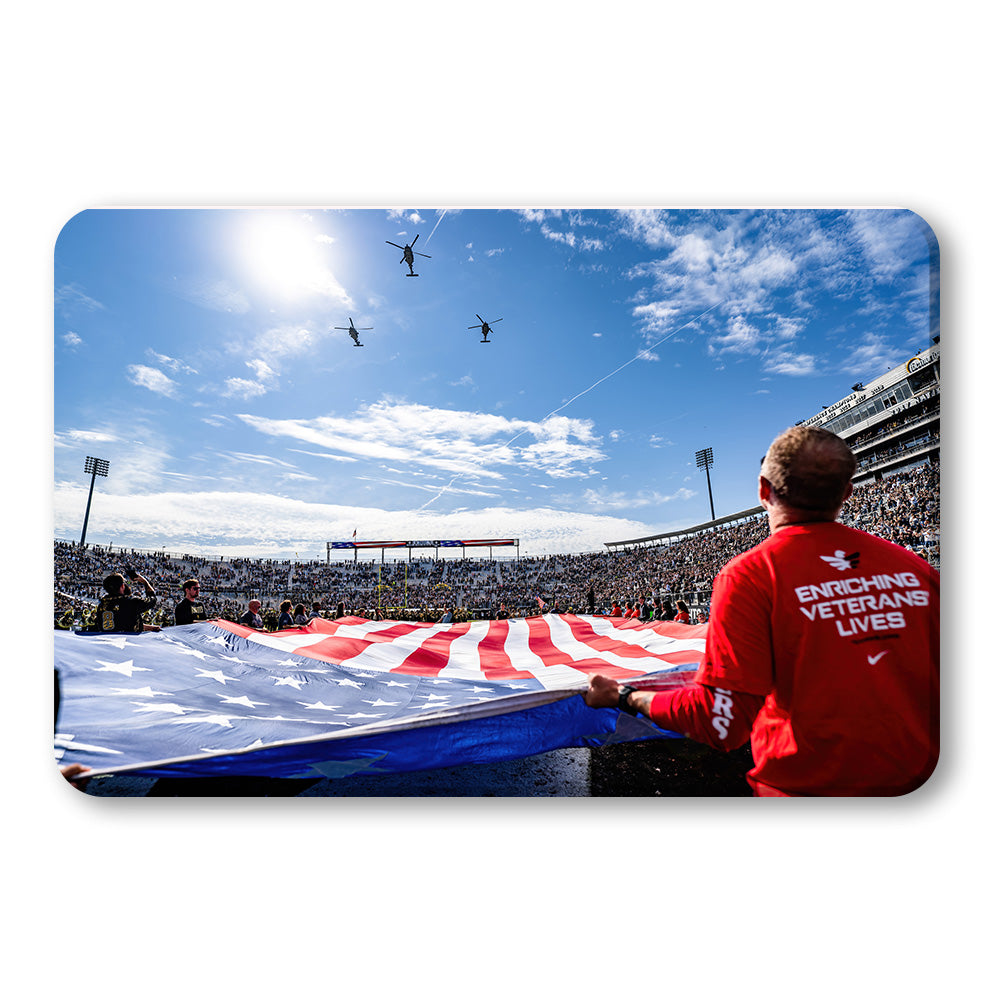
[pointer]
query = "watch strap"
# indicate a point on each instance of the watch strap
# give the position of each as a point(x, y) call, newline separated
point(623, 692)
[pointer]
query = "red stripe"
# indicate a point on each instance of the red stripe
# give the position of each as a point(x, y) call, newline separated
point(336, 649)
point(540, 643)
point(584, 632)
point(431, 656)
point(608, 644)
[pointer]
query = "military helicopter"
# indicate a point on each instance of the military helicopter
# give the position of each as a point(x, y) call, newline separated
point(408, 254)
point(353, 331)
point(485, 327)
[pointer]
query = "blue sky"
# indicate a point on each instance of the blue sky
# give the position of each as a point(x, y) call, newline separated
point(196, 351)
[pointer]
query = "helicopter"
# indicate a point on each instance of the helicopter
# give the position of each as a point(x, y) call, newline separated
point(408, 254)
point(353, 331)
point(485, 327)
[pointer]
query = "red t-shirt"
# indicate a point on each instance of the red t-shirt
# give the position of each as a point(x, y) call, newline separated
point(839, 631)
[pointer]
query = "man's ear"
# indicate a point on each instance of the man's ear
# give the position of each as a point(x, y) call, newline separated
point(763, 490)
point(848, 491)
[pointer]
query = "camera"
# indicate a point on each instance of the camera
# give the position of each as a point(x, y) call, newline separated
point(130, 572)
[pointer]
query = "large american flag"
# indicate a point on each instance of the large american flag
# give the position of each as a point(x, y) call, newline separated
point(336, 698)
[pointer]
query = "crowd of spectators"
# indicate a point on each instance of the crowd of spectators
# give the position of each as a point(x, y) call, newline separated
point(904, 508)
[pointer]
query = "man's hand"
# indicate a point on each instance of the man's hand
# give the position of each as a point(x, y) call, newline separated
point(73, 774)
point(602, 693)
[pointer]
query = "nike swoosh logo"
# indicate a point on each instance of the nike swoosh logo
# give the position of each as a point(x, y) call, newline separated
point(874, 659)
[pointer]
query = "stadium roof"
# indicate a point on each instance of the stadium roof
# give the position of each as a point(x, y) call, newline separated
point(749, 512)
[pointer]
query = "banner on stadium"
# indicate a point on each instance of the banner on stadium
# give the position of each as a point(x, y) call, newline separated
point(350, 696)
point(443, 543)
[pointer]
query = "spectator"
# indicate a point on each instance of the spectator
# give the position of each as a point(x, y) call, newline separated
point(902, 507)
point(252, 617)
point(683, 614)
point(823, 645)
point(118, 611)
point(300, 615)
point(285, 618)
point(315, 613)
point(190, 609)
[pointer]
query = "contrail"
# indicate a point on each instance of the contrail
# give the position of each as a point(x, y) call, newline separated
point(641, 354)
point(444, 212)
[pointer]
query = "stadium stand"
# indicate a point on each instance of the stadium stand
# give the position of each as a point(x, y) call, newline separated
point(892, 426)
point(905, 508)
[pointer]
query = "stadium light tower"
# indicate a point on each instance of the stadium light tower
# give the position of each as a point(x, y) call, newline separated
point(96, 467)
point(704, 460)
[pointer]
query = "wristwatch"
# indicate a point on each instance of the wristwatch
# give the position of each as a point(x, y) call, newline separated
point(623, 692)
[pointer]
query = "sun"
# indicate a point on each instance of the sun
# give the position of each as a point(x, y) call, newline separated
point(284, 257)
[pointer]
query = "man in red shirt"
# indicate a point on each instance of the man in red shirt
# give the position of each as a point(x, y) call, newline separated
point(823, 646)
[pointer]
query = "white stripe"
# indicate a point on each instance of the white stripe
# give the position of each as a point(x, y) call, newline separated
point(647, 639)
point(564, 639)
point(385, 656)
point(463, 654)
point(552, 676)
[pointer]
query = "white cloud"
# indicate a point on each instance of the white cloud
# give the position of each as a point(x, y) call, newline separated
point(741, 337)
point(870, 357)
point(410, 215)
point(177, 367)
point(268, 526)
point(242, 456)
point(619, 500)
point(647, 225)
point(74, 438)
point(889, 241)
point(152, 379)
point(786, 363)
point(656, 317)
point(568, 238)
point(464, 443)
point(72, 298)
point(261, 369)
point(287, 340)
point(72, 340)
point(538, 214)
point(243, 388)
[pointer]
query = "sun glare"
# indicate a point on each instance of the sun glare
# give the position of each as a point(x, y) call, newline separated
point(284, 257)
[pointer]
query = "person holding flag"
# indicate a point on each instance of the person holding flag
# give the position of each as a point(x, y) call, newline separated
point(823, 646)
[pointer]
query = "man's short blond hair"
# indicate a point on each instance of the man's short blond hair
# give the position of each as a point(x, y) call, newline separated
point(809, 468)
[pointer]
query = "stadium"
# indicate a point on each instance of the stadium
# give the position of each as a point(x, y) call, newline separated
point(892, 425)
